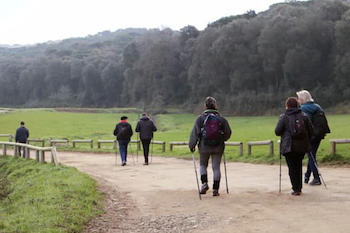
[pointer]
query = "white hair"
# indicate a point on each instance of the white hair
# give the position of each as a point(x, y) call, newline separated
point(304, 96)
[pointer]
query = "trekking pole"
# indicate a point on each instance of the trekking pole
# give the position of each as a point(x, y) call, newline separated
point(225, 173)
point(318, 170)
point(132, 156)
point(280, 172)
point(151, 149)
point(116, 155)
point(195, 170)
point(137, 147)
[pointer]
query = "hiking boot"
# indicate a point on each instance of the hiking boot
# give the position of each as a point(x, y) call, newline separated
point(216, 193)
point(306, 180)
point(204, 188)
point(315, 182)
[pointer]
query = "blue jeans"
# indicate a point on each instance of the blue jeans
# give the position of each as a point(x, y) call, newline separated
point(123, 149)
point(315, 143)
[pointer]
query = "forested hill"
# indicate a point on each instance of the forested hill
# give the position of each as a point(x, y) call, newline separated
point(249, 62)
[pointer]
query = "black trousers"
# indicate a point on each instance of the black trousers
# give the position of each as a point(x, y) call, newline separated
point(145, 145)
point(295, 167)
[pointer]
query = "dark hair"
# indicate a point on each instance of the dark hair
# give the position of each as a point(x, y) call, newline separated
point(292, 102)
point(22, 122)
point(144, 114)
point(123, 118)
point(210, 103)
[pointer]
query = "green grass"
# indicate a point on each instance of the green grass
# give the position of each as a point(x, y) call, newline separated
point(100, 123)
point(43, 198)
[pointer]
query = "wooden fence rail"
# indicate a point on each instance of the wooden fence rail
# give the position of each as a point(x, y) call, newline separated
point(160, 143)
point(54, 142)
point(90, 141)
point(9, 136)
point(99, 142)
point(258, 143)
point(42, 141)
point(172, 144)
point(240, 144)
point(337, 141)
point(39, 151)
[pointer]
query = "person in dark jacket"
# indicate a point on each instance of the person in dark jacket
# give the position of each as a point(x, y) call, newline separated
point(123, 132)
point(206, 150)
point(291, 147)
point(22, 135)
point(309, 107)
point(145, 126)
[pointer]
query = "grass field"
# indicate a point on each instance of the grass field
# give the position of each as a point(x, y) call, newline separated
point(42, 198)
point(99, 124)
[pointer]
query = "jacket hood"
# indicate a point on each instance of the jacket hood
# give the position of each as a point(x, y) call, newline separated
point(144, 118)
point(292, 111)
point(310, 108)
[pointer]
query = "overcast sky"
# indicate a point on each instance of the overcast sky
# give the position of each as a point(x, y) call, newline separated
point(35, 21)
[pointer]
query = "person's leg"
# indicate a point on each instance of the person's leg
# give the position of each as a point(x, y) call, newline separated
point(203, 164)
point(299, 172)
point(145, 145)
point(308, 169)
point(19, 151)
point(292, 170)
point(216, 161)
point(122, 151)
point(315, 144)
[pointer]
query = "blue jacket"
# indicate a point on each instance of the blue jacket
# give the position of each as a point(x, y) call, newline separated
point(22, 134)
point(310, 108)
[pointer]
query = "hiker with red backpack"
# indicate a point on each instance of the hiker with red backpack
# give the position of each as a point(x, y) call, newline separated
point(123, 132)
point(210, 132)
point(295, 129)
point(320, 126)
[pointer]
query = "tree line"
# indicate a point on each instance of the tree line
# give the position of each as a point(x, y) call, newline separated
point(249, 62)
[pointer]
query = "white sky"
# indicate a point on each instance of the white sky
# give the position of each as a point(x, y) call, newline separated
point(35, 21)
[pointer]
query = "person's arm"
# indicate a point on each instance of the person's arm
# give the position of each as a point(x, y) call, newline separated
point(280, 127)
point(115, 132)
point(130, 131)
point(227, 130)
point(154, 128)
point(137, 129)
point(27, 133)
point(16, 137)
point(194, 135)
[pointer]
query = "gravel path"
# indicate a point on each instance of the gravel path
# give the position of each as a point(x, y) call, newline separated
point(162, 197)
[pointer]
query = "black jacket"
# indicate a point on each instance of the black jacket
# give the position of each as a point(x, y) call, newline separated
point(197, 131)
point(288, 144)
point(125, 136)
point(146, 128)
point(22, 134)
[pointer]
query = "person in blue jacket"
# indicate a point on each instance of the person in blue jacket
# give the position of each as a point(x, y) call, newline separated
point(309, 107)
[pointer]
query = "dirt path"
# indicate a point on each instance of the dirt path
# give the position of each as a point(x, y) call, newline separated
point(162, 197)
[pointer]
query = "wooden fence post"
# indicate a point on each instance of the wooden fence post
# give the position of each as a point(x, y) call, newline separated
point(37, 155)
point(4, 151)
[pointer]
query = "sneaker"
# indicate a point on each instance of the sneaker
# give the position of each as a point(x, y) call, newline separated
point(124, 163)
point(204, 188)
point(315, 182)
point(145, 164)
point(216, 193)
point(306, 180)
point(296, 193)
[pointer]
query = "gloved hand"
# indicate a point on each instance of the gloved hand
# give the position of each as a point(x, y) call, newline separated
point(193, 149)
